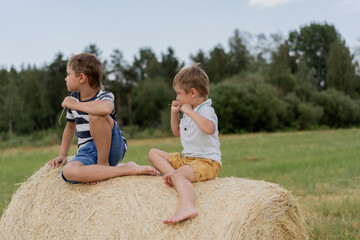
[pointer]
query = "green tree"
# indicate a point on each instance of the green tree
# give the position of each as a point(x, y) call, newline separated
point(301, 114)
point(169, 66)
point(339, 109)
point(142, 63)
point(219, 65)
point(122, 86)
point(55, 80)
point(305, 82)
point(94, 49)
point(150, 98)
point(312, 43)
point(200, 57)
point(238, 53)
point(11, 104)
point(340, 69)
point(154, 69)
point(250, 106)
point(280, 71)
point(37, 111)
point(3, 117)
point(261, 54)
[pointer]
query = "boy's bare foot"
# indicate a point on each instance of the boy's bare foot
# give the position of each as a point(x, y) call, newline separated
point(167, 180)
point(141, 170)
point(181, 215)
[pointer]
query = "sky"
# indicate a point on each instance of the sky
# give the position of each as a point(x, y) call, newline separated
point(33, 32)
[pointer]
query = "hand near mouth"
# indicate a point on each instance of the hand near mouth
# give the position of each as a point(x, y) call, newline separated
point(175, 106)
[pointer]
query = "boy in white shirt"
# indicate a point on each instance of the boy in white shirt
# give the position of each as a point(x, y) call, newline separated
point(198, 130)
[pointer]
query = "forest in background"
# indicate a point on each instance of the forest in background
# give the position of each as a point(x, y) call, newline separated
point(258, 83)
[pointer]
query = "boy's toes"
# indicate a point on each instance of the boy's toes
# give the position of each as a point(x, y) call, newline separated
point(167, 180)
point(152, 171)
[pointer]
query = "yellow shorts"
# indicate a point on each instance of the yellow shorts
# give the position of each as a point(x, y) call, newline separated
point(204, 169)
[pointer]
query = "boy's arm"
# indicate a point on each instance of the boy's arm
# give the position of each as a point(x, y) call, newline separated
point(97, 107)
point(175, 118)
point(68, 136)
point(205, 124)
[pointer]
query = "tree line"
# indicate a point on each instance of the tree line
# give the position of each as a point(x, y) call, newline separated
point(258, 83)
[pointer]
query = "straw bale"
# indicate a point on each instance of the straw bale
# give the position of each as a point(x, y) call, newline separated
point(133, 207)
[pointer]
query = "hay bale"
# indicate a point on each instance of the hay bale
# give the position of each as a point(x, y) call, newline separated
point(133, 207)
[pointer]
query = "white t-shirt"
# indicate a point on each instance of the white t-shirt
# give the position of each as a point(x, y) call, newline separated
point(197, 143)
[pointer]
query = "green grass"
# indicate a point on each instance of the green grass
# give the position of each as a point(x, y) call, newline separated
point(321, 168)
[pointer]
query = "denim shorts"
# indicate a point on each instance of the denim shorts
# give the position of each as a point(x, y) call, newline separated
point(87, 154)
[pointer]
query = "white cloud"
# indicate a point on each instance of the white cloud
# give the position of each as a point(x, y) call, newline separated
point(268, 3)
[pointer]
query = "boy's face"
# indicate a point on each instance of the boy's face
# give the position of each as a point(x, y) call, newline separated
point(182, 96)
point(72, 81)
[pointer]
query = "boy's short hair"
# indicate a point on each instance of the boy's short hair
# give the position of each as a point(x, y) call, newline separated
point(193, 77)
point(89, 65)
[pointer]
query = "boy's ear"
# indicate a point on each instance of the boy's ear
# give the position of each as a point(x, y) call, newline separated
point(82, 78)
point(193, 92)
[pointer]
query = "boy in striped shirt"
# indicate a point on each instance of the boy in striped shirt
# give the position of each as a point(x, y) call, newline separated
point(91, 114)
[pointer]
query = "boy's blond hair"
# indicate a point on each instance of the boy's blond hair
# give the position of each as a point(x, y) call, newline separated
point(89, 65)
point(193, 77)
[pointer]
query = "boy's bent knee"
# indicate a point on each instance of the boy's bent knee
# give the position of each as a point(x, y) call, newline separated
point(186, 172)
point(95, 118)
point(152, 153)
point(176, 175)
point(71, 172)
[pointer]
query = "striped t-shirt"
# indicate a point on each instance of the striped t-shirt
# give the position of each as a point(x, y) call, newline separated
point(82, 118)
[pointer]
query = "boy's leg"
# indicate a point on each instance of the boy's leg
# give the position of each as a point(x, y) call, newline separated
point(77, 171)
point(182, 179)
point(159, 159)
point(101, 130)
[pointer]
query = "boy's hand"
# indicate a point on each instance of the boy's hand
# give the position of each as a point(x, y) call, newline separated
point(175, 106)
point(69, 102)
point(186, 108)
point(57, 162)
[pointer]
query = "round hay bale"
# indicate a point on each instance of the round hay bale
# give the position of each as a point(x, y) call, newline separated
point(133, 207)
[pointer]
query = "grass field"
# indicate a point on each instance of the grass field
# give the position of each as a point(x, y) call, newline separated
point(321, 168)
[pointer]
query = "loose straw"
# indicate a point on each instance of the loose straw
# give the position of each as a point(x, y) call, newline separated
point(61, 116)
